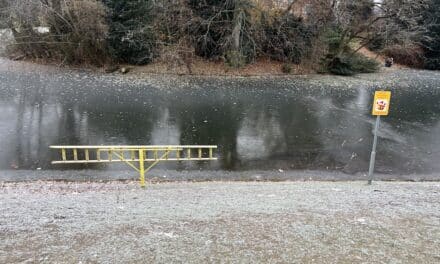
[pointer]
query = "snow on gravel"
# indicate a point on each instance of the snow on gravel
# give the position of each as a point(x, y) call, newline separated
point(220, 222)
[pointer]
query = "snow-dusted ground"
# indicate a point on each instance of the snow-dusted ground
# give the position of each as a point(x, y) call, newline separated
point(306, 222)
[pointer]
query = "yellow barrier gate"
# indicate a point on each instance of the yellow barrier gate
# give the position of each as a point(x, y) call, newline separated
point(133, 154)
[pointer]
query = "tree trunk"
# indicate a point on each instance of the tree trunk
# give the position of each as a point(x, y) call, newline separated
point(236, 32)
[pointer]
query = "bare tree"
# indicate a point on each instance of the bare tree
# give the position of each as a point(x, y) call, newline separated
point(77, 28)
point(358, 20)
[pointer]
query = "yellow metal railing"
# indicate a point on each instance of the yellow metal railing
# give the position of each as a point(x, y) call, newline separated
point(133, 154)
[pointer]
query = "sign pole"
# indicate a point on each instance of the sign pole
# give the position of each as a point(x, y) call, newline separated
point(373, 152)
point(381, 107)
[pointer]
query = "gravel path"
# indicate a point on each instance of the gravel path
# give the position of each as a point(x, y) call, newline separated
point(306, 222)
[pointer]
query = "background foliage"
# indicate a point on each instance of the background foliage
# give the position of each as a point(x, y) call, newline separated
point(326, 34)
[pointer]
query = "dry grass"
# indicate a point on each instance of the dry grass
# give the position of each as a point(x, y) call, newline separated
point(379, 57)
point(198, 66)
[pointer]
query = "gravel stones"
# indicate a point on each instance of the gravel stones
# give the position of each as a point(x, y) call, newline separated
point(322, 222)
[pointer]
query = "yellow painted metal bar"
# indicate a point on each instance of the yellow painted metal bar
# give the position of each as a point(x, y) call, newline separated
point(63, 154)
point(132, 155)
point(75, 154)
point(87, 154)
point(178, 154)
point(210, 153)
point(98, 154)
point(155, 154)
point(188, 152)
point(141, 168)
point(135, 147)
point(110, 155)
point(126, 161)
point(200, 153)
point(157, 161)
point(136, 160)
point(119, 155)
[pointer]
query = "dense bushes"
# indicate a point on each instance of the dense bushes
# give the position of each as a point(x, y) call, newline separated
point(285, 37)
point(223, 29)
point(237, 32)
point(377, 42)
point(433, 63)
point(431, 41)
point(82, 37)
point(349, 64)
point(77, 29)
point(213, 26)
point(137, 31)
point(410, 55)
point(342, 60)
point(411, 35)
point(131, 37)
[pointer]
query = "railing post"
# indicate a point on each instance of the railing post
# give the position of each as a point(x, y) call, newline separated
point(141, 167)
point(87, 154)
point(63, 154)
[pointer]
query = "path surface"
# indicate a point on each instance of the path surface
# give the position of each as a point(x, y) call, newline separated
point(307, 222)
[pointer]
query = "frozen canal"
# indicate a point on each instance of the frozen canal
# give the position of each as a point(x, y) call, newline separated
point(278, 125)
point(300, 222)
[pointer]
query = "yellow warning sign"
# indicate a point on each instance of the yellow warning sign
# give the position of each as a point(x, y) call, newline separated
point(381, 104)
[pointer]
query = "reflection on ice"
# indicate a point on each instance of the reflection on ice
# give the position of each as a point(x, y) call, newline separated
point(258, 123)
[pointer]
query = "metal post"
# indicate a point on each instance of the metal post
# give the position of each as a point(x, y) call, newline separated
point(373, 152)
point(141, 167)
